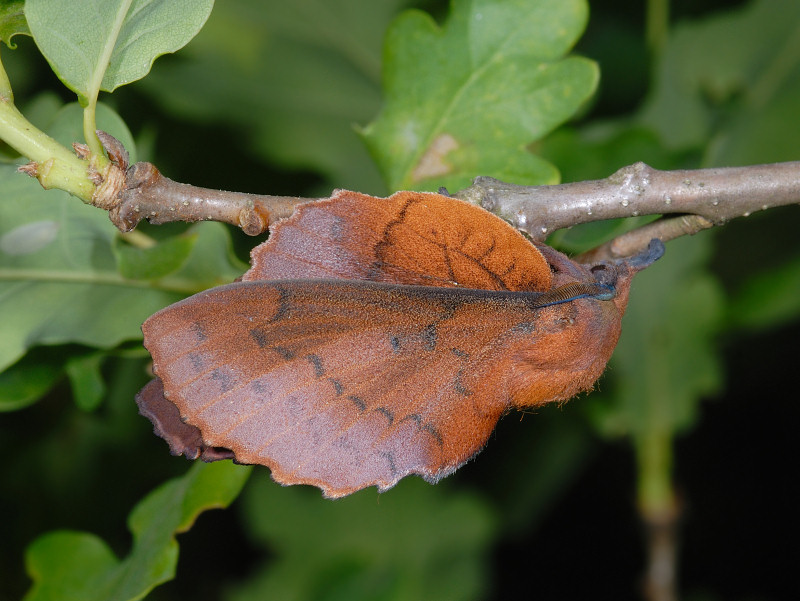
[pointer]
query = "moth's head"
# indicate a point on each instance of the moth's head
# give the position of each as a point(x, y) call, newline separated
point(619, 273)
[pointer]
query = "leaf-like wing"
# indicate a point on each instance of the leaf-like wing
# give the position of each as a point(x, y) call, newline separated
point(346, 384)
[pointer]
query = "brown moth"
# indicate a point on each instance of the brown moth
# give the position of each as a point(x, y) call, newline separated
point(375, 338)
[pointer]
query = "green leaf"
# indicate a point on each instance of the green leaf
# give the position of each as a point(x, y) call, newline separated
point(411, 543)
point(28, 380)
point(292, 77)
point(88, 387)
point(41, 110)
point(467, 98)
point(153, 263)
point(95, 46)
point(737, 66)
point(212, 261)
point(69, 289)
point(58, 277)
point(12, 21)
point(79, 566)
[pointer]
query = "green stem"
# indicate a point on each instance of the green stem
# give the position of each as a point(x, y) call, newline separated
point(657, 26)
point(659, 513)
point(96, 80)
point(90, 127)
point(5, 85)
point(57, 167)
point(654, 457)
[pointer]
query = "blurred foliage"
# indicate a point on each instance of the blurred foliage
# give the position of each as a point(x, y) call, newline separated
point(292, 78)
point(729, 86)
point(362, 547)
point(270, 97)
point(667, 360)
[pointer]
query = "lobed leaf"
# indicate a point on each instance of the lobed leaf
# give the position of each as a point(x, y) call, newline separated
point(67, 565)
point(95, 46)
point(469, 97)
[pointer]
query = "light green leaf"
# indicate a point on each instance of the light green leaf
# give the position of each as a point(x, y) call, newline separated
point(212, 261)
point(365, 547)
point(292, 77)
point(88, 387)
point(78, 566)
point(66, 288)
point(41, 109)
point(95, 46)
point(12, 21)
point(70, 290)
point(467, 99)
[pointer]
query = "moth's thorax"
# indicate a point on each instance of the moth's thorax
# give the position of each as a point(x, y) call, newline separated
point(566, 354)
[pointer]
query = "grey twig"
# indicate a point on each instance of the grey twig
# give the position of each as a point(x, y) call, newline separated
point(690, 201)
point(150, 195)
point(140, 191)
point(707, 196)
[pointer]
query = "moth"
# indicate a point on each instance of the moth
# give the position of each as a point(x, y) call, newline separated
point(375, 338)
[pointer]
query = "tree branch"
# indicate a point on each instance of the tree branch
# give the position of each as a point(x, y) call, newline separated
point(144, 193)
point(710, 196)
point(150, 195)
point(694, 199)
point(632, 242)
